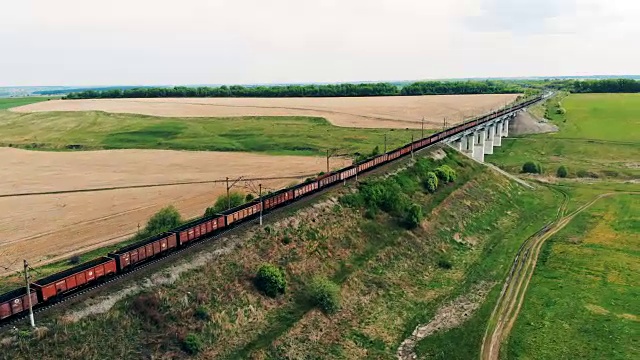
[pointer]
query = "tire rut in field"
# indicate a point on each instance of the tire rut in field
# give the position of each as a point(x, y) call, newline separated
point(513, 292)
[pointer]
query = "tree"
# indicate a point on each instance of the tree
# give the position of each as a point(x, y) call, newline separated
point(562, 172)
point(446, 173)
point(325, 295)
point(165, 219)
point(222, 203)
point(414, 216)
point(531, 167)
point(192, 344)
point(270, 280)
point(431, 182)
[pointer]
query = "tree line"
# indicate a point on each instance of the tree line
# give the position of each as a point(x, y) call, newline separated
point(605, 86)
point(331, 90)
point(527, 87)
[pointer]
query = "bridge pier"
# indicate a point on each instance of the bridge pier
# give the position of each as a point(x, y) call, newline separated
point(479, 136)
point(497, 134)
point(457, 144)
point(505, 128)
point(488, 141)
point(467, 142)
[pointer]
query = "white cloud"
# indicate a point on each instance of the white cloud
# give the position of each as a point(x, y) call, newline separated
point(243, 41)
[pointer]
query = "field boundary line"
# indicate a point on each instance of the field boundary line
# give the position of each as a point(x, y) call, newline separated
point(123, 187)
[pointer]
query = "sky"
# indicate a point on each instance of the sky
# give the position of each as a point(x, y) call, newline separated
point(159, 42)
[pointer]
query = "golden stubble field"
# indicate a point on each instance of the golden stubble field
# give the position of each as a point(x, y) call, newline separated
point(362, 112)
point(43, 228)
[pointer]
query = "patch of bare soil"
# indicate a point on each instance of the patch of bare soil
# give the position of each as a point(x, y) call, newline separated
point(43, 228)
point(526, 123)
point(447, 317)
point(362, 112)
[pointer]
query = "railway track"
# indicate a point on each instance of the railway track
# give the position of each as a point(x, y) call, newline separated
point(515, 287)
point(190, 249)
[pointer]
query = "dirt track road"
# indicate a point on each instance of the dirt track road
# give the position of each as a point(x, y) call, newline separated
point(513, 292)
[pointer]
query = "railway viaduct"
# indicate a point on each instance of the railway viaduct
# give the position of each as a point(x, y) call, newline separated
point(480, 140)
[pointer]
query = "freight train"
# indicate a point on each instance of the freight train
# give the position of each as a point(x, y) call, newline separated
point(56, 287)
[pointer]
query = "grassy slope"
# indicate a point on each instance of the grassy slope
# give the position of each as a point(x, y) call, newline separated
point(389, 278)
point(276, 135)
point(8, 103)
point(597, 134)
point(583, 299)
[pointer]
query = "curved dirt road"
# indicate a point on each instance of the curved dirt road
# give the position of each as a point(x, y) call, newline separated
point(512, 296)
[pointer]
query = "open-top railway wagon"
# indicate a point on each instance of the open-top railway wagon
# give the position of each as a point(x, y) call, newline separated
point(55, 287)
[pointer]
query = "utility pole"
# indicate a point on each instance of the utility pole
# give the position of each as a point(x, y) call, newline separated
point(327, 160)
point(385, 143)
point(260, 185)
point(228, 197)
point(411, 146)
point(444, 123)
point(26, 282)
point(423, 127)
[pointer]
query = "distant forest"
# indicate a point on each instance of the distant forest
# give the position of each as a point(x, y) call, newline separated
point(369, 89)
point(338, 90)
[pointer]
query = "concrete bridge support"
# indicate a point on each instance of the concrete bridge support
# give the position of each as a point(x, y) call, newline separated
point(467, 145)
point(457, 144)
point(505, 128)
point(497, 134)
point(488, 141)
point(478, 139)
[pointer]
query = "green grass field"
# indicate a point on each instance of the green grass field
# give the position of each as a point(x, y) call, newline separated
point(7, 103)
point(274, 135)
point(599, 135)
point(583, 299)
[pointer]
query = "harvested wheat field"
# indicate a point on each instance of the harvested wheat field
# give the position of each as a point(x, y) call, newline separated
point(43, 228)
point(363, 112)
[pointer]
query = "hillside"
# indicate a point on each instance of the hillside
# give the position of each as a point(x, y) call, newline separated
point(389, 280)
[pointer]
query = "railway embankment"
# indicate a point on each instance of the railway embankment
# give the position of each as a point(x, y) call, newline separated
point(363, 266)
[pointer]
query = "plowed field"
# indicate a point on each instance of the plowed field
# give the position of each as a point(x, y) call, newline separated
point(43, 227)
point(363, 112)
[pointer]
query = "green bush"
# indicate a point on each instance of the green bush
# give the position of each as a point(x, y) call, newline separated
point(413, 216)
point(445, 173)
point(531, 168)
point(192, 344)
point(562, 172)
point(249, 197)
point(561, 111)
point(444, 262)
point(202, 313)
point(586, 174)
point(325, 295)
point(222, 203)
point(271, 280)
point(165, 219)
point(431, 182)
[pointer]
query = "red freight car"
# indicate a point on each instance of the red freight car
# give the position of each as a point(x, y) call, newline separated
point(329, 179)
point(197, 228)
point(15, 302)
point(302, 189)
point(133, 254)
point(75, 278)
point(242, 211)
point(277, 198)
point(348, 172)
